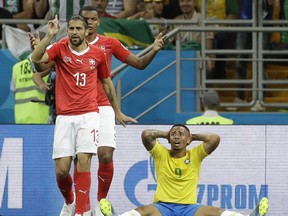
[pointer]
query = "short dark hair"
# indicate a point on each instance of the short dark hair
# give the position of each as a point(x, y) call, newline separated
point(87, 8)
point(78, 17)
point(180, 125)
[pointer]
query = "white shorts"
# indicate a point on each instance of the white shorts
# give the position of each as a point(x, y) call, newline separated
point(107, 134)
point(76, 134)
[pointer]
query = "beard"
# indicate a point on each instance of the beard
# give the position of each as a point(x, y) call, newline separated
point(76, 41)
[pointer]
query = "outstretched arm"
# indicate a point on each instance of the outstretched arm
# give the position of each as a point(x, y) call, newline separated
point(149, 137)
point(110, 92)
point(142, 62)
point(210, 141)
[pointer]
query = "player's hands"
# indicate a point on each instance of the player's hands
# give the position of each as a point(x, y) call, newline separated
point(34, 39)
point(45, 86)
point(159, 42)
point(53, 26)
point(121, 118)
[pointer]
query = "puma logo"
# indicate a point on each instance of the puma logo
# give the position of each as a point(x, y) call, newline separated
point(81, 191)
point(102, 179)
point(79, 60)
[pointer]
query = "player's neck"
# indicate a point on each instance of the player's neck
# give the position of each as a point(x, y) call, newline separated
point(178, 153)
point(79, 48)
point(91, 38)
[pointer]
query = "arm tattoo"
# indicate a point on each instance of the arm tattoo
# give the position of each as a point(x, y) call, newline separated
point(200, 137)
point(109, 95)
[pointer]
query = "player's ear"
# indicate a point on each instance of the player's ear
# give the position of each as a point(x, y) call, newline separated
point(86, 32)
point(189, 140)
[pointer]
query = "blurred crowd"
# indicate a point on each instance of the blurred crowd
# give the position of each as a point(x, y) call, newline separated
point(154, 10)
point(186, 10)
point(148, 9)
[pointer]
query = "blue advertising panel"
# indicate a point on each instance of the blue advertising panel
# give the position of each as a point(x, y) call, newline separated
point(27, 179)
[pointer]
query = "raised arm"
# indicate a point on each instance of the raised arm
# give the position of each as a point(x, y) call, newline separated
point(142, 62)
point(111, 94)
point(149, 137)
point(210, 141)
point(39, 54)
point(34, 41)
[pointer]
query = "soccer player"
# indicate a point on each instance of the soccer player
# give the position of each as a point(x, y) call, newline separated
point(106, 142)
point(177, 173)
point(78, 66)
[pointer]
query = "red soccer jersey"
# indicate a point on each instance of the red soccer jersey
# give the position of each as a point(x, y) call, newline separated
point(110, 46)
point(76, 75)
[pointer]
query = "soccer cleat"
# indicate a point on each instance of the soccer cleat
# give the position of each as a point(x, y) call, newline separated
point(262, 208)
point(97, 210)
point(106, 208)
point(67, 210)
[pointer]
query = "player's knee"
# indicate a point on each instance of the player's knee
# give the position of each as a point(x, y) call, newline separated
point(84, 162)
point(105, 158)
point(62, 173)
point(105, 154)
point(62, 170)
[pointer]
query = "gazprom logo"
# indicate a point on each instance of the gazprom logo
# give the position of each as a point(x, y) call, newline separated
point(138, 172)
point(227, 196)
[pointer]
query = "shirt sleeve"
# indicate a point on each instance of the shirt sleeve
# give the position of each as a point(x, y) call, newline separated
point(200, 151)
point(119, 51)
point(103, 71)
point(52, 51)
point(158, 150)
point(12, 85)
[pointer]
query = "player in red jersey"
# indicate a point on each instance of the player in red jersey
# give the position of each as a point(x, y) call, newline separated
point(107, 143)
point(78, 66)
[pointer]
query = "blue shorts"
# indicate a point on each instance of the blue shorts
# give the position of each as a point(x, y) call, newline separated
point(172, 209)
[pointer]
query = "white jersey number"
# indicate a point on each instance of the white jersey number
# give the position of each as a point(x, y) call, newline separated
point(80, 79)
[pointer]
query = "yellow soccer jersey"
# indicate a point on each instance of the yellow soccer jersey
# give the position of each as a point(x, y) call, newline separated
point(177, 178)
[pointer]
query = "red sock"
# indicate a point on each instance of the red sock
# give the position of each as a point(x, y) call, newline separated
point(105, 175)
point(75, 174)
point(65, 187)
point(82, 189)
